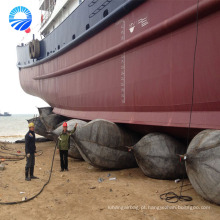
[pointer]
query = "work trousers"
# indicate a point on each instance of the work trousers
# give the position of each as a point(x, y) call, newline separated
point(64, 159)
point(29, 168)
point(30, 161)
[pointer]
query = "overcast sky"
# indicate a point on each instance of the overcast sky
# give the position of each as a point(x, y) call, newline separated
point(12, 97)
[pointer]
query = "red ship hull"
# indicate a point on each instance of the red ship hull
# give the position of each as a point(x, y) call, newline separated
point(139, 70)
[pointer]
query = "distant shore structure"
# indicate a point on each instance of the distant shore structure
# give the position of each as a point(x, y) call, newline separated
point(5, 114)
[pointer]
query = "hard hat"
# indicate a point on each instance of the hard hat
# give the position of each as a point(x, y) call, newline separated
point(31, 125)
point(64, 124)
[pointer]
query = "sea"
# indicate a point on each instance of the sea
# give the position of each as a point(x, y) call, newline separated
point(14, 127)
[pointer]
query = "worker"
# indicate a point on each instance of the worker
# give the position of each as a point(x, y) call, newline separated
point(64, 146)
point(30, 150)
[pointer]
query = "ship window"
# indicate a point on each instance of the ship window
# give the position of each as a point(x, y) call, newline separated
point(58, 47)
point(105, 13)
point(87, 26)
point(48, 53)
point(73, 37)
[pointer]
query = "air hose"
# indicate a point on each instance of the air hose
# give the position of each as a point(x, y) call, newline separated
point(33, 197)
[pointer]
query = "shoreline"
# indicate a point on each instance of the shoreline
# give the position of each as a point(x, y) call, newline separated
point(13, 138)
point(14, 127)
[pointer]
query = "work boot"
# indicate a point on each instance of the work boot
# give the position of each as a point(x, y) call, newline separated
point(28, 179)
point(32, 173)
point(26, 175)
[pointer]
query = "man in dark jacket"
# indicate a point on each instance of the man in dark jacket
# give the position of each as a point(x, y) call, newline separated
point(30, 150)
point(64, 146)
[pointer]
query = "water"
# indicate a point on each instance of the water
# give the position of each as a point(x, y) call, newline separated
point(14, 127)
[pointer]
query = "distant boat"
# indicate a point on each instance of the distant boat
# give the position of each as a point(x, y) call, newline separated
point(5, 114)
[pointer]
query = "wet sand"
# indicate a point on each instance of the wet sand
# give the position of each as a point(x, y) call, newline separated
point(77, 194)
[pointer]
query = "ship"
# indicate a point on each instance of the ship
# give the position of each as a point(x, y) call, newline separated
point(150, 65)
point(5, 114)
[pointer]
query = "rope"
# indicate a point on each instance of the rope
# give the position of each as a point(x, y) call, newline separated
point(40, 152)
point(172, 197)
point(194, 63)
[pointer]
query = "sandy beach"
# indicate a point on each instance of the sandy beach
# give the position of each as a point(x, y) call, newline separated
point(77, 194)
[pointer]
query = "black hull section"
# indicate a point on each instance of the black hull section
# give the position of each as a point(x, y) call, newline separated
point(70, 33)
